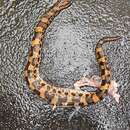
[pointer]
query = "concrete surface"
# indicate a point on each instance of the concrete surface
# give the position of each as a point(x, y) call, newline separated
point(69, 52)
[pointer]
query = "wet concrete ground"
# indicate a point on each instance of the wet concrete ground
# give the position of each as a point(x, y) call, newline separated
point(68, 53)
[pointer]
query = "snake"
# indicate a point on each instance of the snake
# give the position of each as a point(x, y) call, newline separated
point(59, 96)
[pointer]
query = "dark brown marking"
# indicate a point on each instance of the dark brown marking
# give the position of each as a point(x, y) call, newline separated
point(33, 61)
point(103, 59)
point(54, 90)
point(35, 71)
point(31, 52)
point(73, 94)
point(108, 75)
point(26, 78)
point(42, 84)
point(103, 82)
point(100, 94)
point(36, 91)
point(39, 52)
point(103, 71)
point(37, 65)
point(26, 67)
point(38, 59)
point(40, 46)
point(87, 95)
point(34, 37)
point(106, 59)
point(101, 63)
point(66, 93)
point(80, 94)
point(98, 55)
point(108, 71)
point(59, 91)
point(81, 104)
point(48, 87)
point(35, 76)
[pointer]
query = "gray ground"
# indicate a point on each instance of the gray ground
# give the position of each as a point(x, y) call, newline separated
point(69, 52)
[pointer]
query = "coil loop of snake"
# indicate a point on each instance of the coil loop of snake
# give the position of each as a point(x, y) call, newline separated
point(57, 96)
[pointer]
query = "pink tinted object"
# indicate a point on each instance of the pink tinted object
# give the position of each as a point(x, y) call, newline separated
point(95, 81)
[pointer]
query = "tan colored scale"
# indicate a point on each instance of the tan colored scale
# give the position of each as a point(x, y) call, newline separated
point(58, 96)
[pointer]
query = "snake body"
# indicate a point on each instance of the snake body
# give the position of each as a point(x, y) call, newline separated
point(58, 96)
